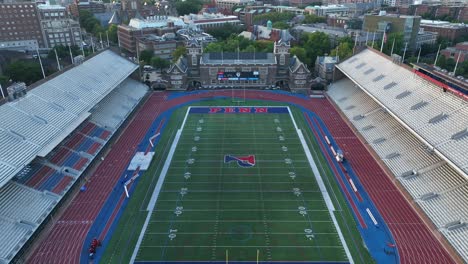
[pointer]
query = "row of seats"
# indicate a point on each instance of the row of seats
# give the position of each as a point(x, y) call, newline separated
point(57, 105)
point(439, 190)
point(14, 236)
point(22, 203)
point(115, 108)
point(420, 104)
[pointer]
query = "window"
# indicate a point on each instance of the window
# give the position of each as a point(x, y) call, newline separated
point(369, 71)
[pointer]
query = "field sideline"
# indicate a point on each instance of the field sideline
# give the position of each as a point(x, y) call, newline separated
point(120, 247)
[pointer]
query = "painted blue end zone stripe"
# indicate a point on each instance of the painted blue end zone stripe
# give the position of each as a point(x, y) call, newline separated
point(239, 110)
point(239, 262)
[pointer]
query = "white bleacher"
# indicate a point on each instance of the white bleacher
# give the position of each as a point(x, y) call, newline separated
point(19, 202)
point(115, 107)
point(434, 176)
point(411, 89)
point(54, 108)
point(458, 239)
point(14, 235)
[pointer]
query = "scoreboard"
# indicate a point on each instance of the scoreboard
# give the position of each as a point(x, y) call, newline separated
point(238, 76)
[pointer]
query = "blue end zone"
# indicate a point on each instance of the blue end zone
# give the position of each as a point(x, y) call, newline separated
point(239, 262)
point(238, 110)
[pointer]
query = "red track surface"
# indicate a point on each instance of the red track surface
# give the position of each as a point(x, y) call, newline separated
point(415, 242)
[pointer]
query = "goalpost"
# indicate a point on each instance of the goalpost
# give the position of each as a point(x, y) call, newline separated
point(238, 99)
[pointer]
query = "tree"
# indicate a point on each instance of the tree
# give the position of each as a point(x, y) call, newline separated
point(188, 7)
point(343, 50)
point(273, 17)
point(315, 44)
point(159, 63)
point(179, 52)
point(63, 52)
point(112, 32)
point(23, 71)
point(281, 25)
point(146, 56)
point(312, 19)
point(225, 31)
point(299, 52)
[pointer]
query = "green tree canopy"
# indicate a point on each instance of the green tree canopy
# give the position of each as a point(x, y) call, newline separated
point(178, 52)
point(24, 71)
point(311, 19)
point(273, 17)
point(232, 43)
point(281, 25)
point(188, 7)
point(146, 56)
point(343, 50)
point(225, 31)
point(315, 44)
point(159, 63)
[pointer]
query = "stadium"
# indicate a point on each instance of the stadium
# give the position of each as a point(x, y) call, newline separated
point(97, 168)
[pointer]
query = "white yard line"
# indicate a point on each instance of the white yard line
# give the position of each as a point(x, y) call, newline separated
point(157, 189)
point(323, 189)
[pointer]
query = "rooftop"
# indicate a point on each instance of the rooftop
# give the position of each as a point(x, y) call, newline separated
point(223, 58)
point(156, 22)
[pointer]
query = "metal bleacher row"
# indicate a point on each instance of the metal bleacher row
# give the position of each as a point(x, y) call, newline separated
point(440, 118)
point(114, 108)
point(28, 197)
point(437, 187)
point(41, 119)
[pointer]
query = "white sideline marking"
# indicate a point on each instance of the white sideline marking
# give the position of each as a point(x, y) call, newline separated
point(157, 189)
point(322, 187)
point(333, 150)
point(352, 185)
point(371, 216)
point(328, 141)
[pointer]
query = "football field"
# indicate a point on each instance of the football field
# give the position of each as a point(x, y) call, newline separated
point(239, 186)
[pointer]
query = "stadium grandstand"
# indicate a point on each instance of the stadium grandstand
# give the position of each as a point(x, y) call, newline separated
point(52, 134)
point(418, 129)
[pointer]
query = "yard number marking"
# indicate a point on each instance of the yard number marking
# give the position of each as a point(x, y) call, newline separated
point(172, 233)
point(302, 210)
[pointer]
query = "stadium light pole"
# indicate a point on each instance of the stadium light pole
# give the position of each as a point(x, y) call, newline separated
point(456, 64)
point(40, 62)
point(1, 90)
point(56, 57)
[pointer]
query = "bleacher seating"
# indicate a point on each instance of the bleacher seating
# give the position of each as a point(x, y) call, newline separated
point(42, 118)
point(19, 202)
point(437, 187)
point(114, 108)
point(39, 185)
point(14, 235)
point(408, 91)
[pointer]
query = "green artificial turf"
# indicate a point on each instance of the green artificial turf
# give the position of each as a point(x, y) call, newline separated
point(228, 209)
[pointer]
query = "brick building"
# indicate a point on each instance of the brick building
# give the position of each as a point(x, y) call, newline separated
point(91, 6)
point(460, 50)
point(451, 31)
point(239, 70)
point(157, 25)
point(20, 26)
point(57, 27)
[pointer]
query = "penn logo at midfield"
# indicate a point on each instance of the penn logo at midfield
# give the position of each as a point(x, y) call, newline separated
point(242, 161)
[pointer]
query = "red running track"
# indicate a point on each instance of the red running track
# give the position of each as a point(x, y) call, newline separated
point(415, 242)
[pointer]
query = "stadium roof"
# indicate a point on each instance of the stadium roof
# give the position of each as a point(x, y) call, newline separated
point(438, 119)
point(34, 124)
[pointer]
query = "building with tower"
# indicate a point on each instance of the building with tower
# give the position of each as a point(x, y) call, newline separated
point(238, 69)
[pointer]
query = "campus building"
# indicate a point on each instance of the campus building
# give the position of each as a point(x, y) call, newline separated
point(57, 27)
point(238, 69)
